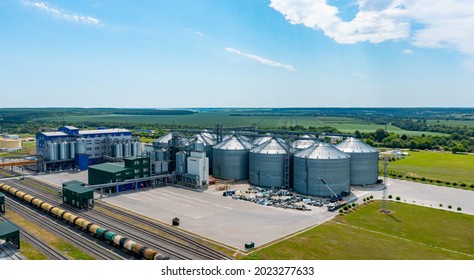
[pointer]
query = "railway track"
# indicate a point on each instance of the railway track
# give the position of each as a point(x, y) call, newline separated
point(10, 252)
point(193, 248)
point(104, 221)
point(51, 252)
point(79, 239)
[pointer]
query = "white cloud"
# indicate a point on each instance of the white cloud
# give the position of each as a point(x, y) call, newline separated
point(447, 24)
point(261, 60)
point(408, 51)
point(200, 34)
point(359, 75)
point(64, 15)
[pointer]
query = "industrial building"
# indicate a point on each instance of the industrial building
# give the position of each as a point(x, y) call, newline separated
point(76, 194)
point(10, 233)
point(10, 143)
point(70, 147)
point(131, 168)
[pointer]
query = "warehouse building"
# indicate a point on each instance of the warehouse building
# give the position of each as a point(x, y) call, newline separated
point(10, 233)
point(131, 168)
point(70, 147)
point(76, 194)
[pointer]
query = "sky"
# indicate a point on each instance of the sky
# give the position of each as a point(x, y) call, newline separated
point(236, 53)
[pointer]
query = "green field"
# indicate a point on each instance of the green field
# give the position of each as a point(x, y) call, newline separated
point(347, 125)
point(452, 123)
point(437, 166)
point(410, 232)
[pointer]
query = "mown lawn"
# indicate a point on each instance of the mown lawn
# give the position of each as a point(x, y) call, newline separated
point(408, 233)
point(442, 166)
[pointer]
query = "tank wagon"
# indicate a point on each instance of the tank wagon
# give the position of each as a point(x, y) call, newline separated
point(127, 244)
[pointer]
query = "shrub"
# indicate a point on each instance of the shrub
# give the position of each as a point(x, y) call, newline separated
point(463, 185)
point(353, 205)
point(390, 196)
point(345, 208)
point(455, 184)
point(341, 211)
point(438, 181)
point(423, 179)
point(431, 181)
point(400, 175)
point(440, 205)
point(472, 186)
point(459, 208)
point(448, 183)
point(349, 206)
point(414, 178)
point(371, 197)
point(449, 206)
point(398, 198)
point(364, 199)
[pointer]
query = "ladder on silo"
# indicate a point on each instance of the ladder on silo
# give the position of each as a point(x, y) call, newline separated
point(287, 170)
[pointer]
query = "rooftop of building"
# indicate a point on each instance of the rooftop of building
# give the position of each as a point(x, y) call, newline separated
point(78, 189)
point(110, 167)
point(7, 228)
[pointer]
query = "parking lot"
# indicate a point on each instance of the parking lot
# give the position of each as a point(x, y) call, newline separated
point(223, 219)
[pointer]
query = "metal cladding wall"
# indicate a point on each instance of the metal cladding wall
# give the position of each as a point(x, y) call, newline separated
point(181, 162)
point(230, 164)
point(230, 159)
point(267, 164)
point(333, 169)
point(364, 161)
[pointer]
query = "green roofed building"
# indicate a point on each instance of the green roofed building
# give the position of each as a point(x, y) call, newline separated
point(131, 168)
point(76, 194)
point(2, 203)
point(10, 233)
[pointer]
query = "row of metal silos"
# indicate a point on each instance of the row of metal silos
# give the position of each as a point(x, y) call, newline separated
point(126, 149)
point(267, 165)
point(64, 150)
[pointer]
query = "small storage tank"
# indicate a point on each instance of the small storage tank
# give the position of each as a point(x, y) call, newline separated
point(72, 150)
point(268, 164)
point(63, 150)
point(364, 161)
point(136, 148)
point(231, 159)
point(302, 144)
point(161, 155)
point(81, 146)
point(127, 150)
point(321, 161)
point(52, 151)
point(260, 140)
point(181, 159)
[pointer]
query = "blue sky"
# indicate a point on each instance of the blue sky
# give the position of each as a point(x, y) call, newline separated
point(236, 53)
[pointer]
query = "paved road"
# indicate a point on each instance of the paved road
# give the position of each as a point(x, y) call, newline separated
point(423, 194)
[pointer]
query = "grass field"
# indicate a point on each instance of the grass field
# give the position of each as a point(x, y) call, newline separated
point(347, 125)
point(27, 149)
point(437, 166)
point(452, 123)
point(410, 232)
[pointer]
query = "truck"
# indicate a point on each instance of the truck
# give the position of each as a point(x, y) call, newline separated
point(336, 205)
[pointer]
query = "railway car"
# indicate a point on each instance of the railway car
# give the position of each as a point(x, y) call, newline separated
point(131, 246)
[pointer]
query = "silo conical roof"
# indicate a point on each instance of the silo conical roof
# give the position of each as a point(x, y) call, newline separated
point(354, 145)
point(273, 146)
point(234, 143)
point(321, 151)
point(202, 138)
point(303, 143)
point(165, 138)
point(260, 140)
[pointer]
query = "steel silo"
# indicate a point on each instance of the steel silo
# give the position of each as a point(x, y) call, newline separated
point(321, 161)
point(260, 140)
point(303, 143)
point(231, 158)
point(181, 162)
point(72, 150)
point(269, 164)
point(63, 151)
point(163, 141)
point(364, 161)
point(81, 146)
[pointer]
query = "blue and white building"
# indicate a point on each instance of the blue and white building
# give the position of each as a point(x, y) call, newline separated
point(70, 147)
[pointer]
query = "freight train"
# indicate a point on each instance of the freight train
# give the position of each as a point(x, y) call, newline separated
point(128, 245)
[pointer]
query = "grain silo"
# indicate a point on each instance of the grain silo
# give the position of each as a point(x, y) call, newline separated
point(269, 164)
point(163, 141)
point(303, 143)
point(321, 161)
point(231, 159)
point(206, 142)
point(260, 140)
point(364, 161)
